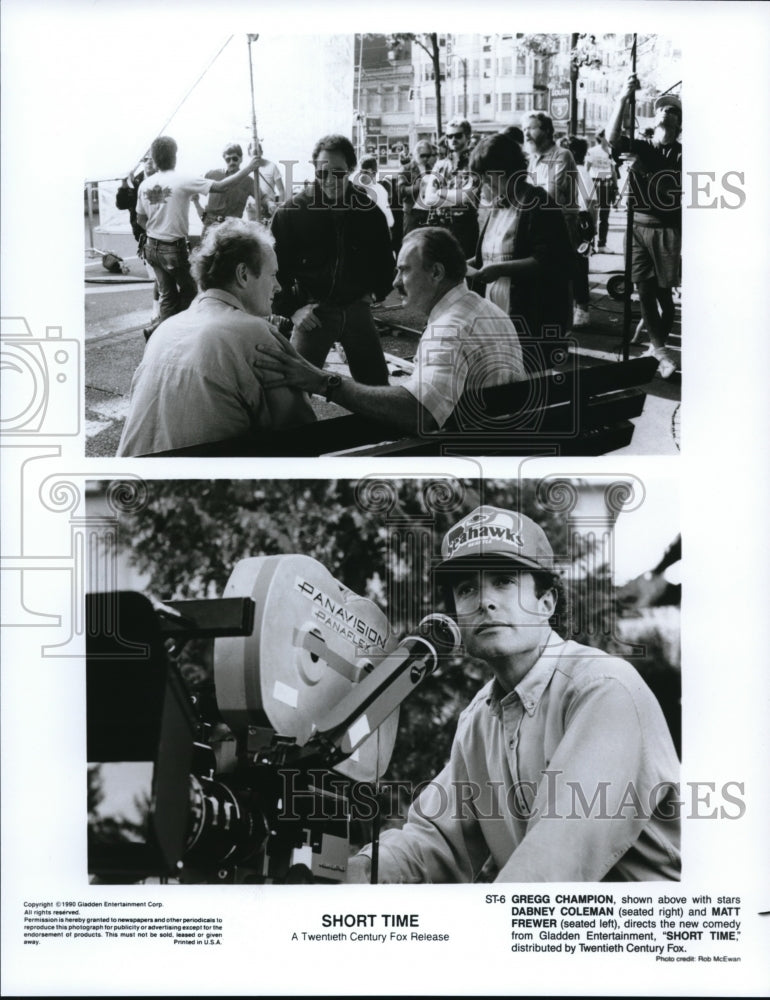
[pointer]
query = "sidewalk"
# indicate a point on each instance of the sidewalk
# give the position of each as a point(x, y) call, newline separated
point(119, 306)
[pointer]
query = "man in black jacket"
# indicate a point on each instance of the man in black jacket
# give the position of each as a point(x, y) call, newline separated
point(655, 190)
point(334, 260)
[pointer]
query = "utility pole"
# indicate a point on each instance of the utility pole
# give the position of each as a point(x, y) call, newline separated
point(254, 137)
point(574, 70)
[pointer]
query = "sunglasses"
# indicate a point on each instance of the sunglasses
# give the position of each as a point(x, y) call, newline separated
point(232, 159)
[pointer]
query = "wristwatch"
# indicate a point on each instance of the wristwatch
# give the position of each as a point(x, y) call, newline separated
point(333, 381)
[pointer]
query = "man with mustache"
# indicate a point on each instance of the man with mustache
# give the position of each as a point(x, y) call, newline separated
point(468, 341)
point(562, 768)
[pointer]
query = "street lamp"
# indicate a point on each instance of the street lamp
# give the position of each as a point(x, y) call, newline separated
point(453, 55)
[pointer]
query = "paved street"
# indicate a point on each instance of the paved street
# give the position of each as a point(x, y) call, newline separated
point(118, 307)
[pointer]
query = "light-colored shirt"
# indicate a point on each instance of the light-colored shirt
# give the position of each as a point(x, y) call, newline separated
point(556, 171)
point(197, 381)
point(497, 247)
point(570, 777)
point(599, 163)
point(165, 198)
point(468, 342)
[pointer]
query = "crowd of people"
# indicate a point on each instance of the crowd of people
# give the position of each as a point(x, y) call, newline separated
point(489, 242)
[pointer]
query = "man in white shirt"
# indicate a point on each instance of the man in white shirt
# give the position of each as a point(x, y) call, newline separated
point(163, 210)
point(468, 343)
point(601, 170)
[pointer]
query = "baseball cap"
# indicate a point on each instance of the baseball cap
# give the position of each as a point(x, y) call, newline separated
point(669, 101)
point(492, 532)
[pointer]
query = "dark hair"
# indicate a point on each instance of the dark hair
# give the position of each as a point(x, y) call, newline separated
point(498, 153)
point(578, 147)
point(501, 155)
point(233, 147)
point(439, 246)
point(163, 151)
point(546, 122)
point(369, 163)
point(515, 133)
point(336, 144)
point(232, 242)
point(561, 617)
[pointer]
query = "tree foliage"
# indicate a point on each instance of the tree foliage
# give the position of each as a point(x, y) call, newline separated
point(376, 536)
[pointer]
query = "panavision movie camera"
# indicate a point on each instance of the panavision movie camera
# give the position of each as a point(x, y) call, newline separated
point(308, 682)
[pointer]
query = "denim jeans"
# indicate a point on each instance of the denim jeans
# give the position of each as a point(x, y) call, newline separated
point(171, 265)
point(352, 325)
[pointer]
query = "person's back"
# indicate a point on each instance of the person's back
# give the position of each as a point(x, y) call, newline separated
point(196, 383)
point(199, 381)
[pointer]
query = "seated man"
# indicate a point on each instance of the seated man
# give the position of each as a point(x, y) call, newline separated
point(562, 768)
point(197, 382)
point(468, 343)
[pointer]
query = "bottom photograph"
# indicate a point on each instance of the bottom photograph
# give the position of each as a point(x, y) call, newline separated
point(383, 680)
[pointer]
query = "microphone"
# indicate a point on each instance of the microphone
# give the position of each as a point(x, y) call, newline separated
point(380, 693)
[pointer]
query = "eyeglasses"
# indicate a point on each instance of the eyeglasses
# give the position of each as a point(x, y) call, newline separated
point(322, 174)
point(455, 135)
point(232, 159)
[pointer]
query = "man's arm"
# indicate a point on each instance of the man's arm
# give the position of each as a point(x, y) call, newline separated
point(599, 788)
point(616, 122)
point(380, 255)
point(389, 404)
point(231, 179)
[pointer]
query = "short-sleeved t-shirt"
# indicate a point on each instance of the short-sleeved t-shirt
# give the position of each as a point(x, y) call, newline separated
point(165, 199)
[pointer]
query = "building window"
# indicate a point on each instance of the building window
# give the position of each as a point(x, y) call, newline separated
point(430, 105)
point(523, 102)
point(521, 63)
point(475, 104)
point(403, 98)
point(540, 100)
point(487, 98)
point(506, 66)
point(505, 102)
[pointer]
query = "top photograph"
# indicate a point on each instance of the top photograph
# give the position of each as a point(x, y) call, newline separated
point(386, 245)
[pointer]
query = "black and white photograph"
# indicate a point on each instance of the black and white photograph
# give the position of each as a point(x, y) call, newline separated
point(472, 243)
point(472, 640)
point(429, 658)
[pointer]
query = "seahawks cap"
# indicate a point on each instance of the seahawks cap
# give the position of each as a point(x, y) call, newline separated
point(491, 532)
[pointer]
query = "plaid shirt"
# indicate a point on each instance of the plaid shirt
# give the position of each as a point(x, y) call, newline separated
point(468, 341)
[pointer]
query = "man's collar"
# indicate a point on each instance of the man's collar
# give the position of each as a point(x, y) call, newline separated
point(530, 689)
point(538, 153)
point(447, 299)
point(221, 296)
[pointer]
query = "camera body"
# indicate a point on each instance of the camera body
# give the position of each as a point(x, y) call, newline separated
point(254, 785)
